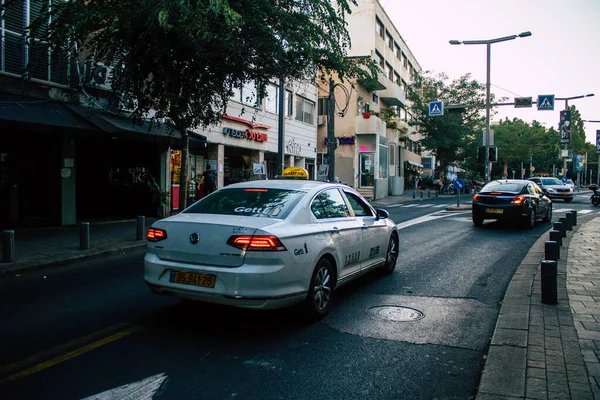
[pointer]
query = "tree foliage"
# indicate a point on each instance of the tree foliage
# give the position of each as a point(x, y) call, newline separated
point(180, 59)
point(451, 137)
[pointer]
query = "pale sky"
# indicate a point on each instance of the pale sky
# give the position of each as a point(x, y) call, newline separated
point(562, 57)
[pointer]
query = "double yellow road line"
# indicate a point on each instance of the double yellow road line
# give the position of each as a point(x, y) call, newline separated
point(64, 352)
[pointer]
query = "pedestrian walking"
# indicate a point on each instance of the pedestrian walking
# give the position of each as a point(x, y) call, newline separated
point(210, 180)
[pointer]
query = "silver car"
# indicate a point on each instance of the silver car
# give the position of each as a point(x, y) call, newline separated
point(554, 188)
point(270, 244)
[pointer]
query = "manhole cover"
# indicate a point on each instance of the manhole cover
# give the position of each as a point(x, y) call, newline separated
point(395, 313)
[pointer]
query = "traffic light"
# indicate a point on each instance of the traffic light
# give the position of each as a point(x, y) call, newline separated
point(492, 154)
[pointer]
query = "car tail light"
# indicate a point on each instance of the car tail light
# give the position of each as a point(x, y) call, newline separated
point(256, 243)
point(518, 200)
point(156, 234)
point(476, 197)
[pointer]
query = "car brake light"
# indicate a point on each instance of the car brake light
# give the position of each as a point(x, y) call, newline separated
point(256, 243)
point(156, 234)
point(255, 190)
point(476, 197)
point(518, 200)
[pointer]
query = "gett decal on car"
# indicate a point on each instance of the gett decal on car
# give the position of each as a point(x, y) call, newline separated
point(352, 258)
point(304, 250)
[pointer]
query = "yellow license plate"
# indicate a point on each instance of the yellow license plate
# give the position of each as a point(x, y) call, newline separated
point(188, 278)
point(494, 210)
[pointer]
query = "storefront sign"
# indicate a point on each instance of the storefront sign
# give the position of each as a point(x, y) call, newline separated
point(247, 134)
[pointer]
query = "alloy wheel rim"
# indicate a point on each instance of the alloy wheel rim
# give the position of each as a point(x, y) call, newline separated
point(322, 288)
point(392, 255)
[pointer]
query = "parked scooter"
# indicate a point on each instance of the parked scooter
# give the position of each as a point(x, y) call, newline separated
point(596, 196)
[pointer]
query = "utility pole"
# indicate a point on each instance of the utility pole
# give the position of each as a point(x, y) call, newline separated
point(281, 133)
point(331, 142)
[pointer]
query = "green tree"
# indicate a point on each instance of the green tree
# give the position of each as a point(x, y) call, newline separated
point(451, 137)
point(181, 58)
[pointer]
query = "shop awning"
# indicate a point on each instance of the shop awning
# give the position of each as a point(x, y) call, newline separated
point(416, 164)
point(123, 127)
point(21, 112)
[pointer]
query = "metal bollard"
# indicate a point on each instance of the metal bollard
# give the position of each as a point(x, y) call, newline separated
point(558, 226)
point(566, 223)
point(556, 236)
point(574, 212)
point(421, 195)
point(8, 246)
point(549, 291)
point(141, 228)
point(84, 236)
point(414, 194)
point(429, 194)
point(551, 251)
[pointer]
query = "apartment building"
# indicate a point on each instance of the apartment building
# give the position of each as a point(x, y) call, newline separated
point(377, 152)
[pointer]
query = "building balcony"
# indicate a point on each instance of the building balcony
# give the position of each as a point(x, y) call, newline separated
point(372, 124)
point(392, 95)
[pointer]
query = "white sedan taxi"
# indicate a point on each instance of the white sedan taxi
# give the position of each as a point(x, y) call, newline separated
point(270, 244)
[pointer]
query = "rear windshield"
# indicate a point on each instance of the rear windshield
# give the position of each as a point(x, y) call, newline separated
point(507, 187)
point(255, 202)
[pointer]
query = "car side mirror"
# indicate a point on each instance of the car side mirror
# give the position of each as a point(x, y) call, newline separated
point(381, 213)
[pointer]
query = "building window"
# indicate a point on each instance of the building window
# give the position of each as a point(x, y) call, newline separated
point(247, 94)
point(380, 60)
point(289, 104)
point(389, 71)
point(404, 85)
point(389, 40)
point(304, 110)
point(271, 99)
point(375, 98)
point(29, 58)
point(404, 60)
point(384, 160)
point(397, 79)
point(379, 29)
point(410, 69)
point(322, 105)
point(426, 161)
point(397, 52)
point(393, 149)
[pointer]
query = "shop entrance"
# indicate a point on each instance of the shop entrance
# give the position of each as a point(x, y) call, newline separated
point(367, 170)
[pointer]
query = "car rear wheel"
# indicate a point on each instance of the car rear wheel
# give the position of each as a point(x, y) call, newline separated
point(477, 220)
point(392, 255)
point(320, 290)
point(548, 214)
point(530, 219)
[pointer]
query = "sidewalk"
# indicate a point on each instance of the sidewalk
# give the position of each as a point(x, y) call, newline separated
point(537, 351)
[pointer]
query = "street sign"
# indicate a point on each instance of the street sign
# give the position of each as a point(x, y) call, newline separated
point(545, 102)
point(598, 142)
point(521, 102)
point(565, 126)
point(459, 184)
point(436, 108)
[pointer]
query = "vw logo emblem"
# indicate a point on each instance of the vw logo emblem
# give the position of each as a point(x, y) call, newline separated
point(194, 238)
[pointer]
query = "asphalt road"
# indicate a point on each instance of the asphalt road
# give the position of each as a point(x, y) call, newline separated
point(93, 329)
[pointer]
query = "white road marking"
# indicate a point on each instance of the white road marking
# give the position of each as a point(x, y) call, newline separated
point(140, 390)
point(425, 218)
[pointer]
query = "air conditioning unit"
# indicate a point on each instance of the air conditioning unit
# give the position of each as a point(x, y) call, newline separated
point(98, 75)
point(321, 120)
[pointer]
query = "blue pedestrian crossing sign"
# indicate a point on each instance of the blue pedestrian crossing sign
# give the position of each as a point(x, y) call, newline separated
point(545, 102)
point(436, 108)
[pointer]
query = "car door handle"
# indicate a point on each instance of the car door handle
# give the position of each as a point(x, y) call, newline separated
point(365, 226)
point(335, 229)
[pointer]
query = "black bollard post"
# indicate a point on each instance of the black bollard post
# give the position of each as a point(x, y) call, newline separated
point(429, 194)
point(414, 194)
point(141, 228)
point(566, 224)
point(8, 246)
point(549, 291)
point(556, 236)
point(421, 195)
point(570, 219)
point(84, 236)
point(559, 226)
point(574, 213)
point(551, 251)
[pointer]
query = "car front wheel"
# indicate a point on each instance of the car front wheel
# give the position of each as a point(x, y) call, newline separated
point(548, 214)
point(320, 291)
point(392, 255)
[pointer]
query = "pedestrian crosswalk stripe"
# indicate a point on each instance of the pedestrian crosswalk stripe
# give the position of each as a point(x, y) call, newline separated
point(439, 205)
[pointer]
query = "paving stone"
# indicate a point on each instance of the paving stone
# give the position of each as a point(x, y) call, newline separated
point(510, 337)
point(536, 388)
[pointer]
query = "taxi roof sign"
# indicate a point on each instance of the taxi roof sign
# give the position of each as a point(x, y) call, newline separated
point(294, 173)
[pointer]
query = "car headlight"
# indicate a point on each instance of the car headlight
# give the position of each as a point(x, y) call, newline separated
point(551, 190)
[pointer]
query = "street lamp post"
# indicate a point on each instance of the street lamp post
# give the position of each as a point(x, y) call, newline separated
point(488, 43)
point(566, 145)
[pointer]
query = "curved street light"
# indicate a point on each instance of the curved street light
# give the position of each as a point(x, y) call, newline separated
point(489, 43)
